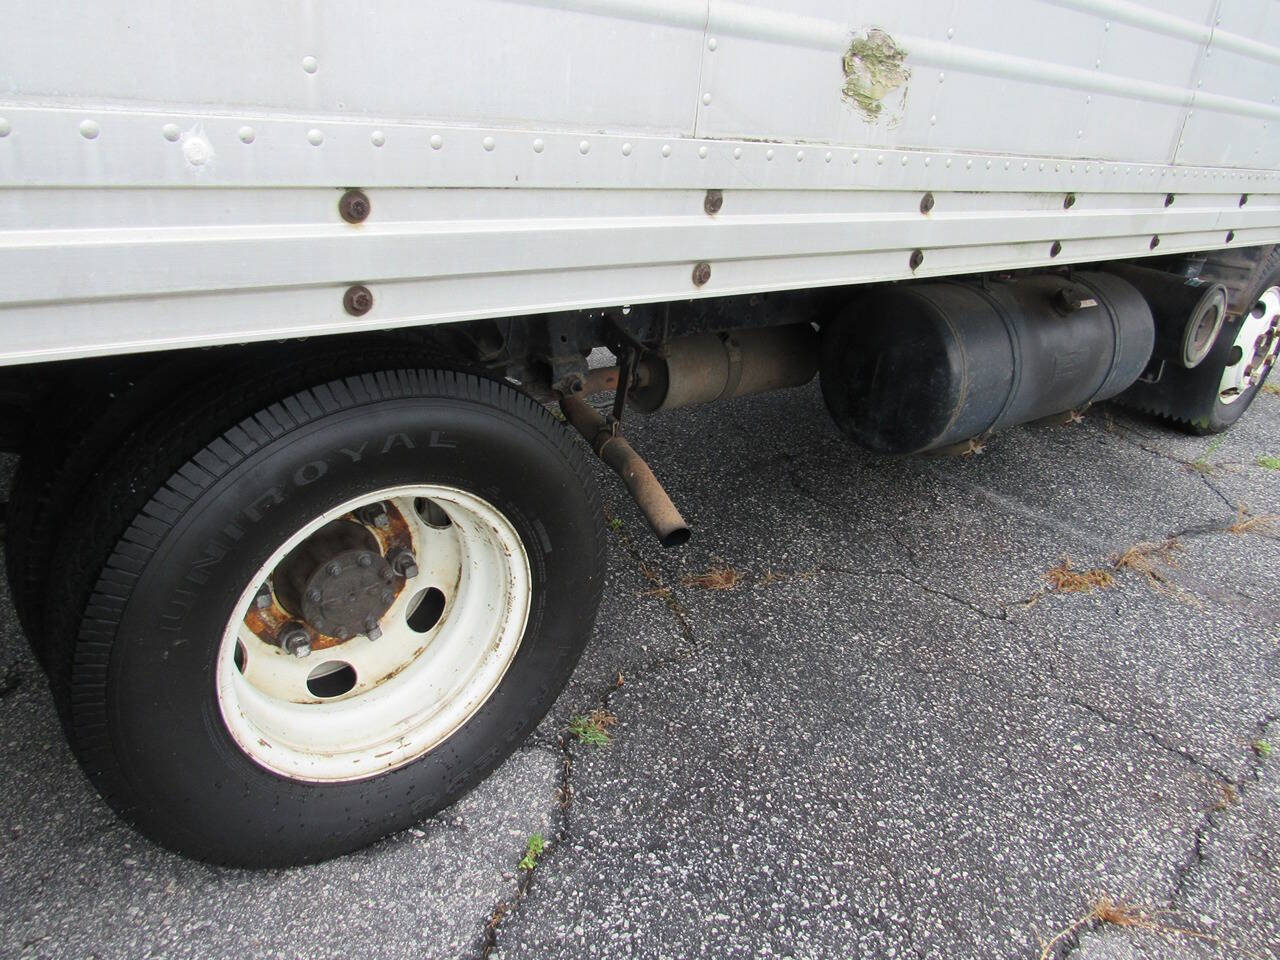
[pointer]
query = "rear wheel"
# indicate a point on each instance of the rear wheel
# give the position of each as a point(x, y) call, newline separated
point(331, 619)
point(1215, 394)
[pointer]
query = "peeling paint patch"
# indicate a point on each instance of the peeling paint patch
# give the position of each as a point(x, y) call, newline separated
point(874, 69)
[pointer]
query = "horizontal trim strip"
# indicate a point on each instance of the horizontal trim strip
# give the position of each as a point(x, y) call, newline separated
point(109, 263)
point(64, 330)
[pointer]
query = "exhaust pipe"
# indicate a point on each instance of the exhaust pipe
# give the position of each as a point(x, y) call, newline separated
point(611, 447)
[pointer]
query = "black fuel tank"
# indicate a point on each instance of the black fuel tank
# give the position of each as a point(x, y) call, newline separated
point(916, 366)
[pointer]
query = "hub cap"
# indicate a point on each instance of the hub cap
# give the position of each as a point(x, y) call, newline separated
point(374, 633)
point(1255, 349)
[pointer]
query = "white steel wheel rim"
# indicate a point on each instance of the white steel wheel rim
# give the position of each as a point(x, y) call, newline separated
point(412, 689)
point(1258, 345)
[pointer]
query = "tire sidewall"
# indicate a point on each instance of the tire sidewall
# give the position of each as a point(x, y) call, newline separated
point(190, 783)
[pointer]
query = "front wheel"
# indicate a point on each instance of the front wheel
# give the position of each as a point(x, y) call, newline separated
point(328, 620)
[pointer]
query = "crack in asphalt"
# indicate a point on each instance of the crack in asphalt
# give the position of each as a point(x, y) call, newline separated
point(1128, 436)
point(507, 908)
point(1154, 737)
point(504, 909)
point(1196, 856)
point(825, 504)
point(1201, 835)
point(1001, 616)
point(1218, 493)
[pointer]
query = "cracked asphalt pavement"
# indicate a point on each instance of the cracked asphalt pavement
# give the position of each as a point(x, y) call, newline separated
point(888, 739)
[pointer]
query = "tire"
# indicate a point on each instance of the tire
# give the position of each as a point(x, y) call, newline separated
point(159, 559)
point(82, 430)
point(77, 435)
point(1192, 399)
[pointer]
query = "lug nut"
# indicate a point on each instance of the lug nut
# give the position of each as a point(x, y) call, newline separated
point(295, 641)
point(314, 595)
point(371, 628)
point(405, 564)
point(388, 597)
point(365, 560)
point(334, 569)
point(263, 599)
point(375, 515)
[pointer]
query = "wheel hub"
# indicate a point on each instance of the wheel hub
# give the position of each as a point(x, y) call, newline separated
point(349, 594)
point(337, 581)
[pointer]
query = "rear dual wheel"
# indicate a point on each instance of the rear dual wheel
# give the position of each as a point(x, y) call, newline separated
point(1215, 394)
point(326, 620)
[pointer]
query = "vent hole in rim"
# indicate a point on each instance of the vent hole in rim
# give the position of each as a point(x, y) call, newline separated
point(432, 513)
point(240, 656)
point(425, 610)
point(331, 679)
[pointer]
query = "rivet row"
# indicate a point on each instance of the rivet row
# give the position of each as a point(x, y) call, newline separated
point(91, 129)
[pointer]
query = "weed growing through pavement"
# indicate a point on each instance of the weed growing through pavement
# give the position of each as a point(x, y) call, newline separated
point(1269, 463)
point(593, 727)
point(772, 576)
point(1117, 913)
point(717, 577)
point(532, 851)
point(1066, 580)
point(1147, 558)
point(1201, 463)
point(1262, 748)
point(1230, 797)
point(660, 589)
point(1263, 523)
point(1151, 560)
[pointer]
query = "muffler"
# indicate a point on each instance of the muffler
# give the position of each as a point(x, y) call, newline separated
point(918, 366)
point(709, 367)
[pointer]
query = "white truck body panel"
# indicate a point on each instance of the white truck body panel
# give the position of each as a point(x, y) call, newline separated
point(169, 175)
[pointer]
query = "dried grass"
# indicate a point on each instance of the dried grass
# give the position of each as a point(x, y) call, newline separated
point(1230, 797)
point(772, 576)
point(1117, 913)
point(1148, 558)
point(716, 578)
point(1263, 523)
point(1062, 578)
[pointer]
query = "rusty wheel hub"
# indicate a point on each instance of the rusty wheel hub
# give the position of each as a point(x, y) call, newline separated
point(349, 594)
point(337, 581)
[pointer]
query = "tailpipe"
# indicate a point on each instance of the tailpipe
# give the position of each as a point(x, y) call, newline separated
point(611, 447)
